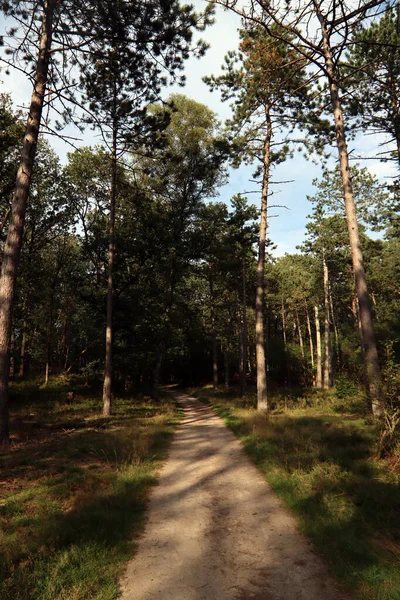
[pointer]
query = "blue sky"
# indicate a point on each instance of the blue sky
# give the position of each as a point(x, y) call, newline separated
point(286, 226)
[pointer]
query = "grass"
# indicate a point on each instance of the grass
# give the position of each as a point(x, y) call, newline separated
point(73, 490)
point(321, 460)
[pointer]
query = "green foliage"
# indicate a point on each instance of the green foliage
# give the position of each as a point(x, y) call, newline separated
point(265, 80)
point(372, 67)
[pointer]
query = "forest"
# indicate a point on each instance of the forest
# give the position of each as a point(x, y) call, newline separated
point(124, 277)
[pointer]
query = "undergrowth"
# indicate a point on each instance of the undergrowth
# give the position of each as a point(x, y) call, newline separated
point(73, 490)
point(319, 453)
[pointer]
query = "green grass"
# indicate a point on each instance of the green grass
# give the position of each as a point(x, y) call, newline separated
point(73, 490)
point(322, 462)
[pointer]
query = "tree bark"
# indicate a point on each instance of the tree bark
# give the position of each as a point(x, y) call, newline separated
point(244, 329)
point(24, 344)
point(300, 335)
point(107, 387)
point(262, 399)
point(310, 338)
point(327, 337)
point(371, 364)
point(284, 326)
point(318, 382)
point(14, 239)
point(227, 350)
point(213, 332)
point(12, 354)
point(335, 329)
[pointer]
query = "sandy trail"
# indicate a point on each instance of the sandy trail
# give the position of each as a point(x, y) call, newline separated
point(216, 531)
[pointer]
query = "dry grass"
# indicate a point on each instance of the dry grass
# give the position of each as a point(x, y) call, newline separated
point(73, 490)
point(322, 461)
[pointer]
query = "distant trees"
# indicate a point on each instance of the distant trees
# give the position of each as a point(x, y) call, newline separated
point(56, 36)
point(267, 84)
point(321, 33)
point(130, 224)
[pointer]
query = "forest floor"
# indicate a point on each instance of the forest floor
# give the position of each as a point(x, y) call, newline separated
point(74, 488)
point(318, 451)
point(216, 530)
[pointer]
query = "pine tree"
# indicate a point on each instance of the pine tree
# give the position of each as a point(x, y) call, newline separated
point(321, 32)
point(266, 82)
point(372, 65)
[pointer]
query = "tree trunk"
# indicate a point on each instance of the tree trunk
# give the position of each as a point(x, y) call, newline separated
point(12, 354)
point(300, 336)
point(335, 329)
point(327, 337)
point(262, 399)
point(13, 243)
point(318, 382)
point(213, 332)
point(310, 338)
point(24, 345)
point(371, 364)
point(107, 387)
point(284, 325)
point(49, 332)
point(227, 350)
point(244, 329)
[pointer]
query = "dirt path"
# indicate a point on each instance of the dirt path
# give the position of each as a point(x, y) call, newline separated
point(216, 531)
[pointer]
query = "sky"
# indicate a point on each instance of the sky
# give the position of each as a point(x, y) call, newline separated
point(286, 224)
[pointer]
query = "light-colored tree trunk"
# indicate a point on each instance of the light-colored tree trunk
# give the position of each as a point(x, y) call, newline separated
point(371, 364)
point(327, 336)
point(13, 243)
point(318, 381)
point(310, 337)
point(300, 335)
point(213, 331)
point(262, 399)
point(335, 329)
point(107, 387)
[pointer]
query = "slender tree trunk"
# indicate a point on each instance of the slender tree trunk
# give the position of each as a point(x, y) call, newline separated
point(49, 334)
point(327, 337)
point(227, 350)
point(318, 382)
point(244, 329)
point(360, 330)
point(310, 337)
point(13, 243)
point(284, 326)
point(240, 341)
point(300, 336)
point(262, 399)
point(12, 352)
point(24, 344)
point(372, 370)
point(213, 332)
point(107, 387)
point(335, 329)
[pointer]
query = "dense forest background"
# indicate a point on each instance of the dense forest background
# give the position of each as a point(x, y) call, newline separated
point(127, 237)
